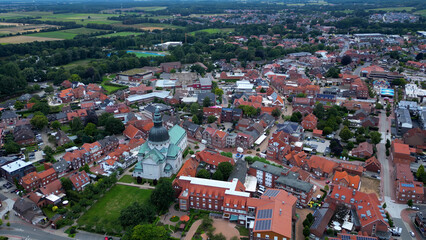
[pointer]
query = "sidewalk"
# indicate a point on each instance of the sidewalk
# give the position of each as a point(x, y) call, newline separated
point(144, 186)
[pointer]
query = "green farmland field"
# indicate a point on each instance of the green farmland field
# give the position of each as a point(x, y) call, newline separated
point(214, 30)
point(55, 34)
point(120, 34)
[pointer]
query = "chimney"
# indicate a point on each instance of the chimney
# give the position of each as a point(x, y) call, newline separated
point(280, 211)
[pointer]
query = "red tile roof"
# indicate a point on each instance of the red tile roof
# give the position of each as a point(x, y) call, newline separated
point(352, 181)
point(213, 158)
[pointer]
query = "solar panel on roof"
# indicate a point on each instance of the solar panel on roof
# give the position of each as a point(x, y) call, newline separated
point(407, 184)
point(271, 193)
point(346, 237)
point(263, 225)
point(264, 213)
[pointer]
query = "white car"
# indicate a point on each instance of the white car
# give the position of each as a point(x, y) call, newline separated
point(412, 234)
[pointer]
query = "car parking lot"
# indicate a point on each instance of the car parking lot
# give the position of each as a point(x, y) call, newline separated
point(319, 144)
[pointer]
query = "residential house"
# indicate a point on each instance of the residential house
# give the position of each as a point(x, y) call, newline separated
point(9, 117)
point(79, 180)
point(364, 150)
point(310, 122)
point(243, 140)
point(415, 137)
point(420, 222)
point(321, 167)
point(23, 135)
point(191, 128)
point(410, 190)
point(373, 165)
point(35, 180)
point(400, 153)
point(28, 211)
point(212, 158)
point(346, 180)
point(132, 132)
point(169, 66)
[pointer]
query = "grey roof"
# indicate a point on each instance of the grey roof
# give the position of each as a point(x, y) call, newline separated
point(190, 126)
point(288, 127)
point(107, 140)
point(161, 107)
point(410, 105)
point(206, 81)
point(2, 197)
point(239, 172)
point(7, 160)
point(202, 96)
point(292, 181)
point(269, 168)
point(25, 97)
point(266, 117)
point(9, 114)
point(61, 115)
point(61, 166)
point(403, 116)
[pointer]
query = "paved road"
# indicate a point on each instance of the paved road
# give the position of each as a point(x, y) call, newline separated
point(399, 223)
point(358, 69)
point(29, 232)
point(386, 184)
point(344, 49)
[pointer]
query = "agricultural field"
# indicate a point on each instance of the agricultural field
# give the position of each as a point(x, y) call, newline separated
point(421, 12)
point(14, 28)
point(25, 39)
point(151, 26)
point(120, 34)
point(394, 9)
point(107, 210)
point(214, 30)
point(81, 18)
point(82, 30)
point(151, 9)
point(15, 15)
point(55, 34)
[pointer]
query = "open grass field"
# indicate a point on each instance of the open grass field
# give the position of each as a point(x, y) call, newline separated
point(15, 15)
point(106, 211)
point(82, 30)
point(151, 9)
point(421, 12)
point(393, 9)
point(120, 34)
point(55, 34)
point(77, 63)
point(25, 39)
point(214, 30)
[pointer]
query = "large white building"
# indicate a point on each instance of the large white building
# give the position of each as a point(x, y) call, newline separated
point(161, 155)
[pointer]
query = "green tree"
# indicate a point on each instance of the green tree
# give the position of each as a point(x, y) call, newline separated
point(218, 175)
point(384, 206)
point(195, 119)
point(55, 125)
point(306, 231)
point(66, 184)
point(103, 118)
point(75, 78)
point(296, 117)
point(149, 231)
point(163, 195)
point(345, 133)
point(206, 102)
point(327, 130)
point(376, 137)
point(114, 126)
point(39, 121)
point(203, 173)
point(276, 112)
point(136, 213)
point(76, 125)
point(19, 105)
point(90, 129)
point(226, 169)
point(194, 108)
point(211, 119)
point(218, 92)
point(219, 236)
point(410, 202)
point(12, 147)
point(421, 174)
point(319, 111)
point(388, 143)
point(42, 107)
point(346, 60)
point(350, 145)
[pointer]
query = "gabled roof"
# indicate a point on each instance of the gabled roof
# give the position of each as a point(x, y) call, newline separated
point(324, 164)
point(353, 181)
point(213, 157)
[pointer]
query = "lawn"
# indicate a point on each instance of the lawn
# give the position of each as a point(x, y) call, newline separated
point(214, 30)
point(394, 9)
point(65, 127)
point(39, 167)
point(151, 9)
point(106, 211)
point(120, 34)
point(48, 212)
point(55, 34)
point(110, 89)
point(127, 179)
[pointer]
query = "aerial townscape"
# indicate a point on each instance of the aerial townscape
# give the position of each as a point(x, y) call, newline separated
point(219, 120)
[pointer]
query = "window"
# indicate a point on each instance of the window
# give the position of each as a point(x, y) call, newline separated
point(267, 236)
point(275, 238)
point(258, 235)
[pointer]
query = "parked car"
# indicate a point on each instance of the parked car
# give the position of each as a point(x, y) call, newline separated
point(415, 208)
point(412, 234)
